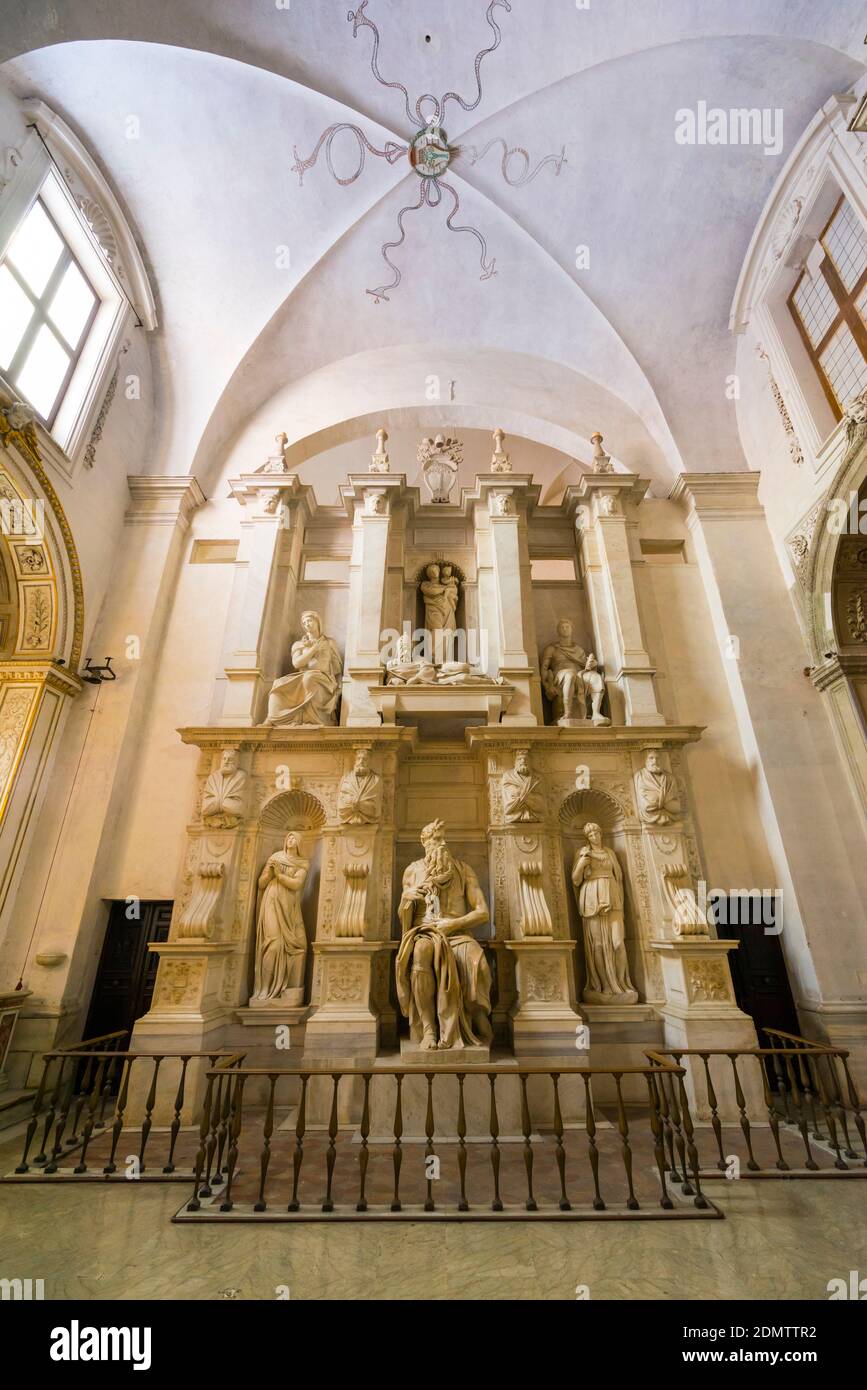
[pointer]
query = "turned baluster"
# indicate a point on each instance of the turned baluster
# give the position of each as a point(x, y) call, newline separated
point(658, 1146)
point(674, 1107)
point(740, 1100)
point(593, 1152)
point(397, 1149)
point(560, 1152)
point(364, 1155)
point(714, 1116)
point(331, 1152)
point(199, 1163)
point(494, 1125)
point(773, 1117)
point(783, 1087)
point(66, 1101)
point(855, 1103)
point(147, 1122)
point(429, 1152)
point(81, 1166)
point(33, 1122)
point(53, 1104)
point(174, 1129)
point(625, 1150)
point(806, 1084)
point(110, 1074)
point(809, 1162)
point(699, 1199)
point(224, 1126)
point(835, 1094)
point(83, 1095)
point(463, 1204)
point(298, 1156)
point(119, 1110)
point(817, 1088)
point(659, 1081)
point(213, 1127)
point(526, 1127)
point(265, 1157)
point(235, 1130)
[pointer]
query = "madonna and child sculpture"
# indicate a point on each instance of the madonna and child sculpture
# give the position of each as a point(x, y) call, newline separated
point(443, 978)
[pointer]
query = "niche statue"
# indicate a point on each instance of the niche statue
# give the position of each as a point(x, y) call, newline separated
point(281, 941)
point(443, 979)
point(310, 693)
point(597, 879)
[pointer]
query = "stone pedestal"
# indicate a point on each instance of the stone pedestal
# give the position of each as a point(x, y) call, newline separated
point(344, 1024)
point(471, 1054)
point(700, 1012)
point(544, 1019)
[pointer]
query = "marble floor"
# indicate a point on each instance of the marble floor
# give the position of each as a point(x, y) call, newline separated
point(781, 1239)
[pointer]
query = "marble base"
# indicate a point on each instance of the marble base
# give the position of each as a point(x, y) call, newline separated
point(416, 1056)
point(288, 1000)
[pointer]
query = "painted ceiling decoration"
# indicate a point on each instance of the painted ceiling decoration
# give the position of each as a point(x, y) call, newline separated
point(428, 151)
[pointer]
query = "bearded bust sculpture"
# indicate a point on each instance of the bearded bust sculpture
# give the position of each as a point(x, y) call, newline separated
point(225, 793)
point(443, 978)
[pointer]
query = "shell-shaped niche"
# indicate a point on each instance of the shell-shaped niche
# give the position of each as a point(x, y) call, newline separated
point(292, 810)
point(590, 805)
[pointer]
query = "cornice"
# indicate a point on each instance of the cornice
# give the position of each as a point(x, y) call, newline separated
point(162, 499)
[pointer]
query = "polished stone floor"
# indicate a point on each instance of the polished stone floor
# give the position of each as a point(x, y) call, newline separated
point(781, 1239)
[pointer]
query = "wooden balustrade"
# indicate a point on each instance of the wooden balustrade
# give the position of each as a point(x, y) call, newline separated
point(71, 1104)
point(448, 1142)
point(806, 1124)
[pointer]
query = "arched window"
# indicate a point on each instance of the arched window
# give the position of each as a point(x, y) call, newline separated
point(829, 306)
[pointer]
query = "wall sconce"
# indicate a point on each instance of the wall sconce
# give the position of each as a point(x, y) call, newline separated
point(95, 675)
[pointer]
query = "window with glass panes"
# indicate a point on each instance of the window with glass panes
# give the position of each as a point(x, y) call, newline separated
point(47, 306)
point(830, 309)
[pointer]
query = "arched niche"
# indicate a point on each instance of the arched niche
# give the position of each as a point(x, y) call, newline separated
point(577, 810)
point(285, 811)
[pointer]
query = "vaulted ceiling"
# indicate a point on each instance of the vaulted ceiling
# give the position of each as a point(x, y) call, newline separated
point(262, 279)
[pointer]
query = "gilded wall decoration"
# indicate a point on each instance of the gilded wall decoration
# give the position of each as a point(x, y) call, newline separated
point(15, 708)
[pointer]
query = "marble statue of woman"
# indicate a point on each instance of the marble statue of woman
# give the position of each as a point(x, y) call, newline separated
point(281, 941)
point(443, 978)
point(597, 879)
point(310, 693)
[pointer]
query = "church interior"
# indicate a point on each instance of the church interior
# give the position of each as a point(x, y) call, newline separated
point(433, 686)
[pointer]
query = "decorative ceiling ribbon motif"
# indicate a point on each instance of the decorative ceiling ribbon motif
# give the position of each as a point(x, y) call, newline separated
point(428, 150)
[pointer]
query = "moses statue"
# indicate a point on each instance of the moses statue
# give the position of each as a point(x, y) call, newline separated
point(443, 978)
point(597, 879)
point(310, 693)
point(281, 941)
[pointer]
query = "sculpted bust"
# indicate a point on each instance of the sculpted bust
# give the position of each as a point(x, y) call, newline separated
point(656, 792)
point(359, 798)
point(225, 793)
point(522, 798)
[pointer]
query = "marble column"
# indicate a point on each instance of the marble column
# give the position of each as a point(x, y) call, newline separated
point(605, 506)
point(815, 835)
point(501, 544)
point(369, 499)
point(275, 508)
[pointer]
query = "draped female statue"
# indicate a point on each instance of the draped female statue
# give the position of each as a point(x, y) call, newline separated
point(281, 941)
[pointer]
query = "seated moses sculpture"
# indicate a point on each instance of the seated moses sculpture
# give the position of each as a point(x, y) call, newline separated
point(443, 978)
